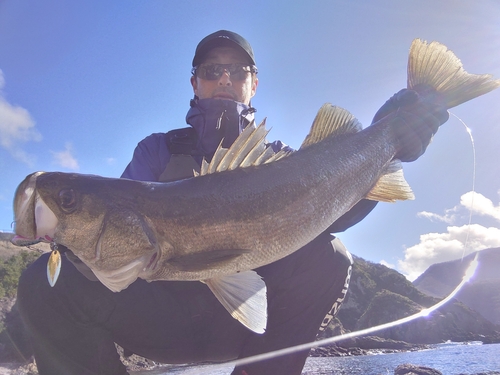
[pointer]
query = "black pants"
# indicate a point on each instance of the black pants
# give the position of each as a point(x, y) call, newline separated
point(74, 325)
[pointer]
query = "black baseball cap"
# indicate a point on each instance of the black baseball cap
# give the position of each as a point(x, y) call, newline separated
point(222, 38)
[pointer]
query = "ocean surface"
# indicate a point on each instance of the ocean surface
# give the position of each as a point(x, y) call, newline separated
point(449, 358)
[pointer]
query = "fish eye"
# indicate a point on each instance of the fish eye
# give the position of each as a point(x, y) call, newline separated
point(67, 200)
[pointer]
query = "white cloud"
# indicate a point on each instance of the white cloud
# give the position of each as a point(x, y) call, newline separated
point(442, 247)
point(16, 127)
point(480, 205)
point(65, 158)
point(448, 217)
point(473, 202)
point(457, 241)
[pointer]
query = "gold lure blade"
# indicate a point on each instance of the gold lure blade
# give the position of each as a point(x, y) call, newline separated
point(53, 267)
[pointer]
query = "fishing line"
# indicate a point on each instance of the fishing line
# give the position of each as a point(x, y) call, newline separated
point(423, 313)
point(469, 131)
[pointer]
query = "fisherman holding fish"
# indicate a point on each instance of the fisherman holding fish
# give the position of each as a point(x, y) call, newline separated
point(74, 325)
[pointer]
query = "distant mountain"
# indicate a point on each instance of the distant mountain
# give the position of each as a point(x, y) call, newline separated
point(378, 295)
point(481, 293)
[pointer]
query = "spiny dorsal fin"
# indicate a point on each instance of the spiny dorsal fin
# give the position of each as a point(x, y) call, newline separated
point(250, 141)
point(331, 120)
point(248, 149)
point(392, 185)
point(435, 65)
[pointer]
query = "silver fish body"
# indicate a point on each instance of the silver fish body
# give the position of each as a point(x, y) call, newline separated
point(221, 223)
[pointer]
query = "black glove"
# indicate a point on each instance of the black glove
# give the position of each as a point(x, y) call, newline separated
point(418, 116)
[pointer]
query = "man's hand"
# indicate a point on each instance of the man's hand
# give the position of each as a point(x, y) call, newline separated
point(419, 119)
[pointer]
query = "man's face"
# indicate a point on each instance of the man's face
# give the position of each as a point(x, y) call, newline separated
point(226, 87)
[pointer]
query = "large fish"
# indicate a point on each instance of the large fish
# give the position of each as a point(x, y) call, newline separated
point(248, 207)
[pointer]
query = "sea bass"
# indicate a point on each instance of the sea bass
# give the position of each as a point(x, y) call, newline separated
point(247, 208)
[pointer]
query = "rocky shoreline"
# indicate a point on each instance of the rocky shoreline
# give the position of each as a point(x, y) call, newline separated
point(365, 346)
point(369, 345)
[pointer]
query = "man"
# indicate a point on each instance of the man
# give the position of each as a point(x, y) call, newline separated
point(74, 325)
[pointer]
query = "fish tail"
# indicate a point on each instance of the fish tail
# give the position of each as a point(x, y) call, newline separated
point(433, 64)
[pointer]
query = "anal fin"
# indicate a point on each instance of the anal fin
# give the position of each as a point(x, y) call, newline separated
point(392, 185)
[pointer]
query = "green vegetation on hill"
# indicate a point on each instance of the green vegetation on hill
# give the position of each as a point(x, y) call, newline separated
point(11, 269)
point(378, 295)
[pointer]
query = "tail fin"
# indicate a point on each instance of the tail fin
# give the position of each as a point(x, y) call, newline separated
point(435, 65)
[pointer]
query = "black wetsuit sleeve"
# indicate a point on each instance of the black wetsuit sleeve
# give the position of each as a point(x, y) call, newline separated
point(353, 216)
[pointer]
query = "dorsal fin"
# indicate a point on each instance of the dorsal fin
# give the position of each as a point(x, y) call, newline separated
point(433, 64)
point(248, 149)
point(331, 120)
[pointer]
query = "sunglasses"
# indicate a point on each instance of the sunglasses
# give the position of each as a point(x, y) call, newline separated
point(212, 72)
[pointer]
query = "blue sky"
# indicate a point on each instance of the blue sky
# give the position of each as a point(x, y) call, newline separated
point(83, 81)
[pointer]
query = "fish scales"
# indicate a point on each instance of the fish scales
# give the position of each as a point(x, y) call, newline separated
point(254, 209)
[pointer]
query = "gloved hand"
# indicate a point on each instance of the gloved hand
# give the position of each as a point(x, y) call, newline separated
point(418, 117)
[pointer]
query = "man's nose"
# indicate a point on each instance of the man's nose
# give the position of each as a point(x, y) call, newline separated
point(225, 78)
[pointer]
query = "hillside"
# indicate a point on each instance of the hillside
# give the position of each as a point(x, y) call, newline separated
point(7, 249)
point(481, 293)
point(378, 295)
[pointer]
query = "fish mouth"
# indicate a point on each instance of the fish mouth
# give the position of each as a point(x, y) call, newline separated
point(34, 221)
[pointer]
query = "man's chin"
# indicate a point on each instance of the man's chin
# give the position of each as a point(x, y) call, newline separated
point(224, 98)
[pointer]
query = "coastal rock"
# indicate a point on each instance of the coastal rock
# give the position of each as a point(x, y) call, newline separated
point(409, 369)
point(336, 351)
point(387, 345)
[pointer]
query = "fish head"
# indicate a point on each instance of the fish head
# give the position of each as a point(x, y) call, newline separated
point(90, 216)
point(49, 206)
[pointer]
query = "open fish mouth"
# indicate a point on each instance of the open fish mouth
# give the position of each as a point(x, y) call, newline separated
point(23, 241)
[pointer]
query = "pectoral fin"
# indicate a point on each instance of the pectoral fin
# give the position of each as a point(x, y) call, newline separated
point(206, 259)
point(118, 279)
point(244, 295)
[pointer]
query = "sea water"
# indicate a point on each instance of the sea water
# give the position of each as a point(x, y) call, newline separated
point(449, 358)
